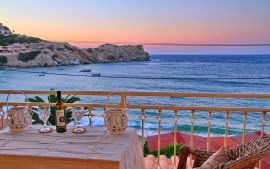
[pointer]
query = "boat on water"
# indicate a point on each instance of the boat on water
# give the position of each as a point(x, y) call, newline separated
point(42, 73)
point(86, 70)
point(96, 74)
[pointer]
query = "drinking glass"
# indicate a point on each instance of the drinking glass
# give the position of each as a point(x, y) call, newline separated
point(44, 114)
point(3, 114)
point(77, 114)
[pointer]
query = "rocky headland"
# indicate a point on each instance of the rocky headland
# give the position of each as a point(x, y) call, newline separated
point(25, 51)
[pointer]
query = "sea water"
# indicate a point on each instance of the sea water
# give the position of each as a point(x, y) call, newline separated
point(167, 73)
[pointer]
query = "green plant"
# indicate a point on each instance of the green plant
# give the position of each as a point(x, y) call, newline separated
point(14, 38)
point(3, 60)
point(168, 151)
point(25, 57)
point(52, 99)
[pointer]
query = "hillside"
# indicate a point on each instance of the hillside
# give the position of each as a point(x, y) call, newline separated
point(25, 51)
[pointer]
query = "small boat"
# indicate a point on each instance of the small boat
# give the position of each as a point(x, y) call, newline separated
point(42, 73)
point(96, 74)
point(60, 68)
point(86, 70)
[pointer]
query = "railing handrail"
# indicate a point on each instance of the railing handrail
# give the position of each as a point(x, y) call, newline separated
point(156, 107)
point(148, 94)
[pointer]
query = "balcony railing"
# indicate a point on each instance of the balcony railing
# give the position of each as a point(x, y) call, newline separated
point(175, 110)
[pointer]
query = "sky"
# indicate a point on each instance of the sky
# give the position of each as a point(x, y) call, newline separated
point(82, 22)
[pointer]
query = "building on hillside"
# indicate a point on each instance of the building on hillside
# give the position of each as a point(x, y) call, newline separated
point(14, 49)
point(4, 31)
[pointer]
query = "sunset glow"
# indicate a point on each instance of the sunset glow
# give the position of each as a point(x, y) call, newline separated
point(141, 21)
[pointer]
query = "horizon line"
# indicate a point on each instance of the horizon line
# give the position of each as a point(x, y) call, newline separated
point(210, 54)
point(182, 44)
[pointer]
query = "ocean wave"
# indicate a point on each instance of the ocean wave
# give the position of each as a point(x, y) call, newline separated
point(169, 127)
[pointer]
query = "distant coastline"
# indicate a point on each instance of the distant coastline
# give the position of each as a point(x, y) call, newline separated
point(26, 51)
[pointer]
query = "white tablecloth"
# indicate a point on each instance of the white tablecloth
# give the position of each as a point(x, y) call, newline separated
point(95, 149)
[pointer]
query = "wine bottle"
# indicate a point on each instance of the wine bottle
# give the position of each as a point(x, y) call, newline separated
point(60, 118)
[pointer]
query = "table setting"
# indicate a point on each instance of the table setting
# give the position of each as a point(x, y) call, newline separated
point(27, 146)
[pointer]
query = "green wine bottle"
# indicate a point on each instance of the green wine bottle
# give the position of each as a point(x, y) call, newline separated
point(60, 118)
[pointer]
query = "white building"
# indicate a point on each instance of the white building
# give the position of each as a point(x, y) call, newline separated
point(4, 31)
point(14, 49)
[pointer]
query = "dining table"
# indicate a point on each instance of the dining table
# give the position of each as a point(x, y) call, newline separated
point(94, 149)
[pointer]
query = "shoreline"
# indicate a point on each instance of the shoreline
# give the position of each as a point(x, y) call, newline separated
point(109, 62)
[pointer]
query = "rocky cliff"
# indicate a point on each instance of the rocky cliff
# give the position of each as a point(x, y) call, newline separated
point(52, 54)
point(114, 53)
point(25, 51)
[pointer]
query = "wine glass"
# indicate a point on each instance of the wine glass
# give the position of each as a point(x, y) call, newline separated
point(77, 114)
point(44, 114)
point(3, 116)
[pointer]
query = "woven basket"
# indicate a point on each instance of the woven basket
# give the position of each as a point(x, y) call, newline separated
point(115, 118)
point(18, 118)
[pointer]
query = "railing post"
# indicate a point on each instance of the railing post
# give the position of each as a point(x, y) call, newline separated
point(159, 128)
point(192, 121)
point(142, 117)
point(244, 127)
point(263, 122)
point(175, 119)
point(227, 121)
point(209, 122)
point(123, 100)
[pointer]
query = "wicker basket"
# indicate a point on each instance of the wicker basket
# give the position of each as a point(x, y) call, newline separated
point(115, 118)
point(18, 118)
